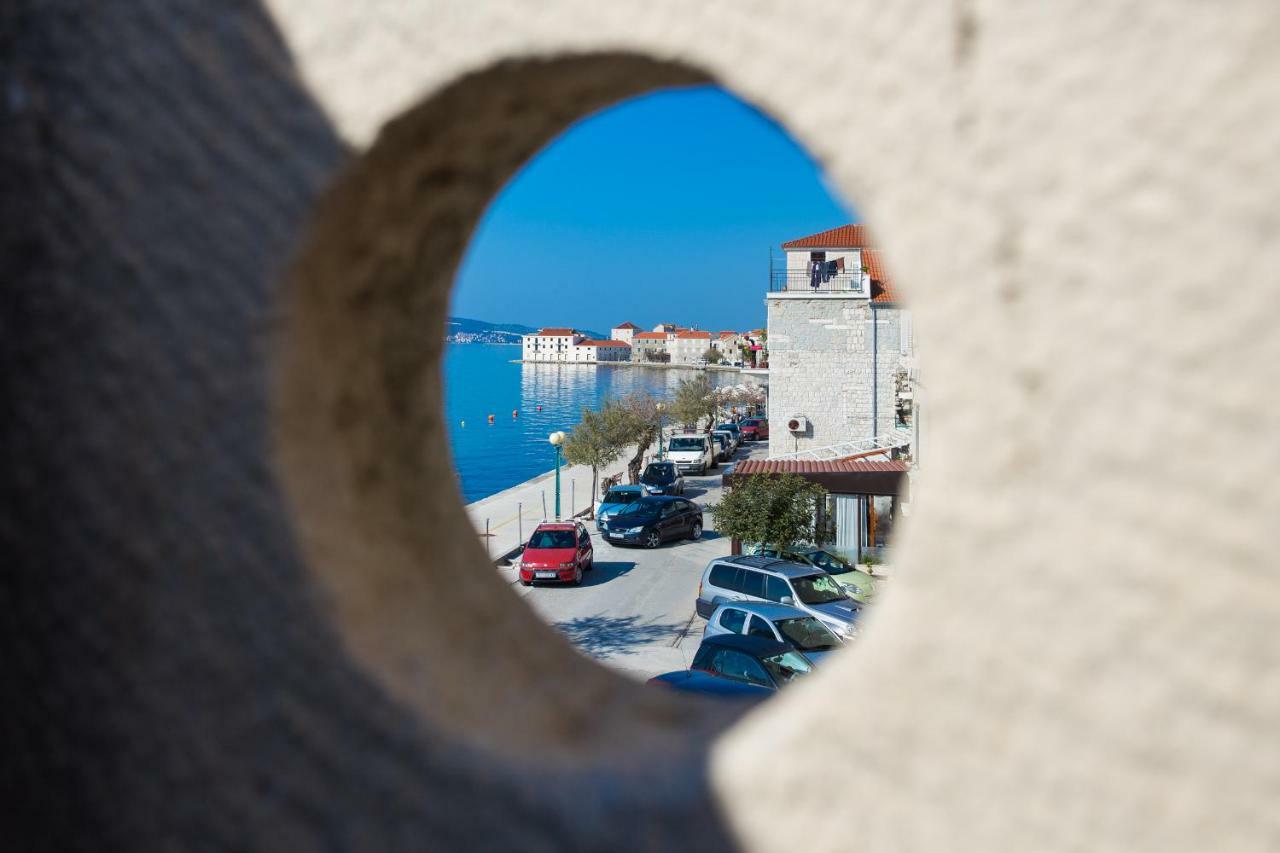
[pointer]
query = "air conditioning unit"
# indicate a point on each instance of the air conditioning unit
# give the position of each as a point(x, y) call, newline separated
point(797, 423)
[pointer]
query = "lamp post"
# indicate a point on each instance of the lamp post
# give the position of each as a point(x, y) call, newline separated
point(557, 439)
point(662, 408)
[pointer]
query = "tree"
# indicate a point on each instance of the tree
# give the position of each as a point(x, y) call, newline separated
point(712, 356)
point(640, 425)
point(694, 400)
point(777, 512)
point(597, 440)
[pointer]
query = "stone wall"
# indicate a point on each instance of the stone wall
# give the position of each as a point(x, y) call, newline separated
point(820, 366)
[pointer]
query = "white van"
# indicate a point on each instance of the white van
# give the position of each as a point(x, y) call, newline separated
point(691, 452)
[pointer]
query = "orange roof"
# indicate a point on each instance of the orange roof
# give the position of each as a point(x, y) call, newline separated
point(844, 237)
point(881, 285)
point(650, 336)
point(626, 326)
point(796, 466)
point(727, 334)
point(558, 333)
point(690, 334)
point(602, 344)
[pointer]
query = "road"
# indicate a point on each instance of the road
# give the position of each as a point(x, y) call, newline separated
point(635, 611)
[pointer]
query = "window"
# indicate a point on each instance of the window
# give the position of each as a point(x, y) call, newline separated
point(731, 620)
point(775, 588)
point(584, 539)
point(760, 628)
point(740, 667)
point(752, 584)
point(670, 510)
point(723, 577)
point(818, 589)
point(808, 634)
point(551, 539)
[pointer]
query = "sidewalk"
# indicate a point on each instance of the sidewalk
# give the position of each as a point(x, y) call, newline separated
point(514, 513)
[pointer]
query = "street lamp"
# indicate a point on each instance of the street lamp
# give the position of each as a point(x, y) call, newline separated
point(662, 408)
point(557, 439)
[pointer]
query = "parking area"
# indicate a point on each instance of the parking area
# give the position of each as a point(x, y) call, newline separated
point(635, 611)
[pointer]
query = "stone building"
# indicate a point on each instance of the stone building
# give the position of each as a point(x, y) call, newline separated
point(689, 346)
point(591, 351)
point(838, 343)
point(649, 346)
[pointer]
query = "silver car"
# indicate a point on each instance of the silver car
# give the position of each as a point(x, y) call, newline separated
point(763, 579)
point(778, 622)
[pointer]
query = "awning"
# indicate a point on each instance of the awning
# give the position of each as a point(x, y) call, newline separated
point(839, 476)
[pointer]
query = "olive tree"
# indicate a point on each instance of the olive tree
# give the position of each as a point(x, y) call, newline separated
point(640, 423)
point(597, 440)
point(776, 511)
point(694, 400)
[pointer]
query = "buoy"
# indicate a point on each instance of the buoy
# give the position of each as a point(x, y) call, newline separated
point(490, 418)
point(515, 413)
point(464, 423)
point(539, 408)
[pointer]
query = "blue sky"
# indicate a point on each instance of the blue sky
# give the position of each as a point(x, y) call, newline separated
point(659, 209)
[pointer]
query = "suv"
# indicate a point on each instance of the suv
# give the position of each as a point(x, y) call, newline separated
point(557, 551)
point(740, 578)
point(755, 429)
point(691, 452)
point(858, 585)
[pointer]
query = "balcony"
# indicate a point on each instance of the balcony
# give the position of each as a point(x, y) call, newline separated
point(849, 283)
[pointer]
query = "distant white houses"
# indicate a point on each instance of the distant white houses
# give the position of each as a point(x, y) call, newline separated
point(649, 346)
point(570, 346)
point(689, 346)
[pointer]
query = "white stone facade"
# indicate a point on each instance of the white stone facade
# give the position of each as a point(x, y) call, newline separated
point(688, 347)
point(550, 345)
point(594, 352)
point(833, 360)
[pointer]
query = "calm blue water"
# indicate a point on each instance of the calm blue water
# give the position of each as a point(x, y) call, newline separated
point(479, 380)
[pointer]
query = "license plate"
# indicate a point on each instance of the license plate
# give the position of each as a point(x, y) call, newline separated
point(544, 574)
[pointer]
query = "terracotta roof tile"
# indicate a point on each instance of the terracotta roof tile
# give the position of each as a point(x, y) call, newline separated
point(690, 334)
point(728, 334)
point(626, 326)
point(844, 237)
point(650, 336)
point(558, 333)
point(882, 289)
point(837, 466)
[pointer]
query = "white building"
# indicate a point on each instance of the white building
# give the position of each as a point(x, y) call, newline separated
point(624, 332)
point(728, 344)
point(688, 346)
point(594, 352)
point(839, 344)
point(550, 345)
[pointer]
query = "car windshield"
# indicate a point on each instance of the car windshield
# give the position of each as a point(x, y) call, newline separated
point(787, 666)
point(640, 507)
point(552, 539)
point(728, 427)
point(817, 589)
point(686, 444)
point(660, 473)
point(615, 496)
point(826, 561)
point(808, 634)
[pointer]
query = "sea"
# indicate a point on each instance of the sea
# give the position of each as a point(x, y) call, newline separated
point(528, 403)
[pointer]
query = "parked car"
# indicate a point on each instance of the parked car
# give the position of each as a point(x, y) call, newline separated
point(753, 578)
point(732, 427)
point(755, 429)
point(662, 478)
point(755, 661)
point(652, 521)
point(557, 551)
point(858, 585)
point(723, 445)
point(615, 499)
point(691, 452)
point(777, 622)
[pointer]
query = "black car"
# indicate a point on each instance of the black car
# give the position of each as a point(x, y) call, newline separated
point(662, 478)
point(740, 665)
point(652, 521)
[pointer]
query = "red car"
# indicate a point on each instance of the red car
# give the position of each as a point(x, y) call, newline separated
point(557, 551)
point(754, 429)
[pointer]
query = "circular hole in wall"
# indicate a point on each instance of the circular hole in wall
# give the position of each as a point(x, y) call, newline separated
point(364, 436)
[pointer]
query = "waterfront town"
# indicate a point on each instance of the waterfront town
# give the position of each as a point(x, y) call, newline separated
point(671, 573)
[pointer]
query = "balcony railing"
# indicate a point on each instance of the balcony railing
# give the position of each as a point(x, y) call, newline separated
point(802, 281)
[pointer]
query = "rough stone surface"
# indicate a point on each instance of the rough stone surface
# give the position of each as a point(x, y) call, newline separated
point(1078, 652)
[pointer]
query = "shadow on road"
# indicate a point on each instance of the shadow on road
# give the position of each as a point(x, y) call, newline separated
point(601, 636)
point(606, 571)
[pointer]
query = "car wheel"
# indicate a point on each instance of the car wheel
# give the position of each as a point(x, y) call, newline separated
point(696, 532)
point(577, 578)
point(651, 539)
point(526, 583)
point(591, 564)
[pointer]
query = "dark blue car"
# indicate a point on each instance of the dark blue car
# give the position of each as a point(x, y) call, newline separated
point(738, 666)
point(651, 521)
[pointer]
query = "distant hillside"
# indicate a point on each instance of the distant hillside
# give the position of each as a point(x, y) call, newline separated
point(460, 330)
